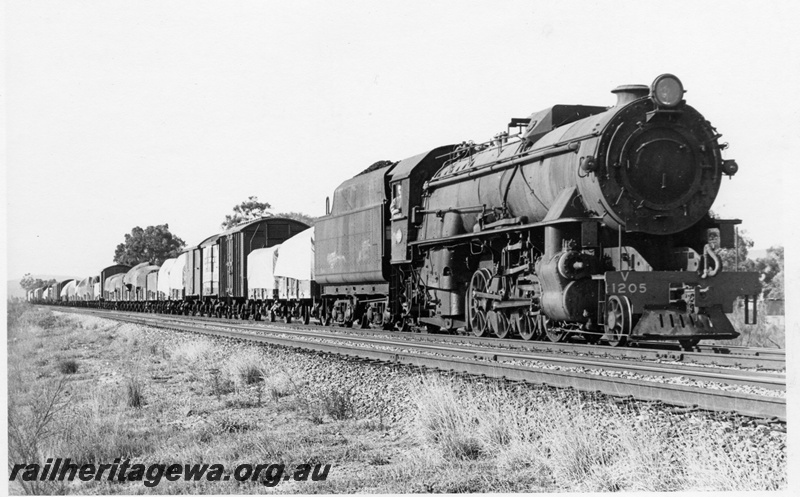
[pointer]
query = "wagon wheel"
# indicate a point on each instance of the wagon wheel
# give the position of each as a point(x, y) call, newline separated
point(524, 325)
point(618, 321)
point(287, 315)
point(552, 329)
point(503, 326)
point(477, 306)
point(689, 343)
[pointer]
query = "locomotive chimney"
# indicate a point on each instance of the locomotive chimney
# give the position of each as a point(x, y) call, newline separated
point(628, 93)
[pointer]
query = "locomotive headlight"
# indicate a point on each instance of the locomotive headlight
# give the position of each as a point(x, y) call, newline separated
point(667, 90)
point(730, 167)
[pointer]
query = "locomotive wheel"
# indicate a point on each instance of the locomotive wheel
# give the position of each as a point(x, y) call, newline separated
point(553, 333)
point(592, 337)
point(504, 326)
point(402, 324)
point(477, 313)
point(479, 323)
point(525, 326)
point(618, 321)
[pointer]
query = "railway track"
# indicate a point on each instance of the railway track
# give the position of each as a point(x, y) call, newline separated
point(751, 393)
point(704, 355)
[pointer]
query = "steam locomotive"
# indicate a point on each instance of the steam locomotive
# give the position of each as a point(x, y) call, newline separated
point(588, 222)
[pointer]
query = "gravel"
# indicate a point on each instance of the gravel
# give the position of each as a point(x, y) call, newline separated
point(385, 392)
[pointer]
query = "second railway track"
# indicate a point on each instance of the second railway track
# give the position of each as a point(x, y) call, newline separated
point(765, 400)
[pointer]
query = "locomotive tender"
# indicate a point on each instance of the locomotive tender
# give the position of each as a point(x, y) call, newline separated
point(589, 221)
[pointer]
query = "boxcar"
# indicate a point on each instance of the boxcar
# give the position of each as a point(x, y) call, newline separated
point(223, 259)
point(107, 273)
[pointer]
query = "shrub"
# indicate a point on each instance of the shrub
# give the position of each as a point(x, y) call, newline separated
point(15, 311)
point(31, 430)
point(338, 404)
point(220, 384)
point(47, 322)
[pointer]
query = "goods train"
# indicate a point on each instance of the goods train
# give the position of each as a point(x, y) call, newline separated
point(578, 221)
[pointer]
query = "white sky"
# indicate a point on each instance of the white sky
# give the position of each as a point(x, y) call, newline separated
point(123, 114)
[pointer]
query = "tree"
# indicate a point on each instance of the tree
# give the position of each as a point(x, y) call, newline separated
point(298, 216)
point(252, 209)
point(154, 244)
point(771, 269)
point(728, 256)
point(28, 283)
point(246, 211)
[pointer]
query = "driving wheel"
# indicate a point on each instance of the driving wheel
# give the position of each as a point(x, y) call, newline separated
point(525, 326)
point(618, 320)
point(552, 329)
point(477, 305)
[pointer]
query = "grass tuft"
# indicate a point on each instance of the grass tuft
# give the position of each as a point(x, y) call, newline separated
point(443, 422)
point(135, 393)
point(231, 424)
point(68, 366)
point(246, 369)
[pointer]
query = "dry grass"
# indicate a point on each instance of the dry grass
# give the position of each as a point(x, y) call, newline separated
point(151, 399)
point(201, 402)
point(767, 332)
point(573, 446)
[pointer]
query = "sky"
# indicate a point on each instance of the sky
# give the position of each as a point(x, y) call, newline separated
point(121, 114)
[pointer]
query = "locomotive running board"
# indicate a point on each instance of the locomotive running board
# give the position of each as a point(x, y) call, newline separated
point(505, 229)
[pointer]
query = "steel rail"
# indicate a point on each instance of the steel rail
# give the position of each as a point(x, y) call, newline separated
point(757, 378)
point(721, 356)
point(714, 355)
point(678, 395)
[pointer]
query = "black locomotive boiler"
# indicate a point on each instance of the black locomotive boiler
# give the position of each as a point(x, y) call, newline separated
point(589, 221)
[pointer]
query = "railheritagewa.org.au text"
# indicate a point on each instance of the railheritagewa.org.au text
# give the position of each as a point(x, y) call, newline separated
point(57, 469)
